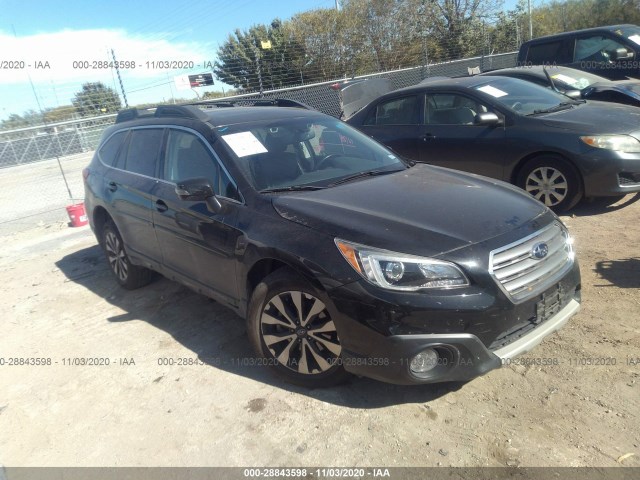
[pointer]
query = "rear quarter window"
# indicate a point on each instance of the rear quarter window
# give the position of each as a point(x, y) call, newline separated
point(108, 153)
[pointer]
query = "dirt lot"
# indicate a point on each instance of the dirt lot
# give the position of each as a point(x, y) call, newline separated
point(60, 303)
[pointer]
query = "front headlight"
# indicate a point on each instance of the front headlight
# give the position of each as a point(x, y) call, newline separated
point(396, 271)
point(621, 143)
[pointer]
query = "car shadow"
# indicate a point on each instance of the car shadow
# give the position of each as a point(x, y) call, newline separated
point(597, 206)
point(621, 273)
point(217, 337)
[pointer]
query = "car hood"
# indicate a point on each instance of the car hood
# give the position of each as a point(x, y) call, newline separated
point(627, 87)
point(595, 117)
point(423, 210)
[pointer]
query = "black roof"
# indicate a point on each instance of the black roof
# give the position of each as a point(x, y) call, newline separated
point(218, 113)
point(608, 28)
point(447, 82)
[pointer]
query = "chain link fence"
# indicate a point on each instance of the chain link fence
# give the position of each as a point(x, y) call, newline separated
point(41, 167)
point(33, 144)
point(321, 97)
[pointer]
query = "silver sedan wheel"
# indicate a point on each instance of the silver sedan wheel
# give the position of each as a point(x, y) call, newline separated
point(547, 185)
point(299, 332)
point(116, 256)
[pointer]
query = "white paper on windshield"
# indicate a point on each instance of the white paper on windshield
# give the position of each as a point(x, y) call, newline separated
point(244, 144)
point(565, 79)
point(635, 38)
point(493, 91)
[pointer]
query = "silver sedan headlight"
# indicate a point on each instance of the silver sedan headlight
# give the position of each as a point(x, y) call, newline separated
point(621, 143)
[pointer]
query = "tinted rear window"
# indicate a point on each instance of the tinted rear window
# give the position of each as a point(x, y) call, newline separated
point(142, 155)
point(110, 149)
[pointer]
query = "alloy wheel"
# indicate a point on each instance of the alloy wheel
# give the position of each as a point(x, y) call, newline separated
point(299, 332)
point(116, 256)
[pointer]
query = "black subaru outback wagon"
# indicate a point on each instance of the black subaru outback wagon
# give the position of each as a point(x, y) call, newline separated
point(342, 257)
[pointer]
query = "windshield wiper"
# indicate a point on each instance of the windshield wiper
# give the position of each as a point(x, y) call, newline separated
point(368, 173)
point(557, 108)
point(292, 188)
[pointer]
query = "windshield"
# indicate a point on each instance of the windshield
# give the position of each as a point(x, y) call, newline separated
point(570, 78)
point(304, 152)
point(631, 32)
point(522, 97)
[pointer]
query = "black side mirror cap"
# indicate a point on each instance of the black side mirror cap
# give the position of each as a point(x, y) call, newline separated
point(487, 118)
point(198, 190)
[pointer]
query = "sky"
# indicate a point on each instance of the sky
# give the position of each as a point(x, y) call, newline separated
point(45, 44)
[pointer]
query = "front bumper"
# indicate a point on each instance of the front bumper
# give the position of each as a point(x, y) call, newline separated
point(610, 173)
point(463, 356)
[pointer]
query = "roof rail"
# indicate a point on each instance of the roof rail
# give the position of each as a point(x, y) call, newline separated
point(254, 102)
point(184, 111)
point(191, 110)
point(132, 114)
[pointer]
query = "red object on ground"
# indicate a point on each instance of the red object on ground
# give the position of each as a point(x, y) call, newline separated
point(77, 215)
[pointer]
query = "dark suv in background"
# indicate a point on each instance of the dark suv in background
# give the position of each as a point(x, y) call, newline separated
point(612, 52)
point(341, 256)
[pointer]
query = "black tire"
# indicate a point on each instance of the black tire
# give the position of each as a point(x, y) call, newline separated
point(287, 306)
point(551, 180)
point(129, 276)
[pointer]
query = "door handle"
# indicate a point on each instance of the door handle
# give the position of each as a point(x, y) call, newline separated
point(113, 186)
point(161, 206)
point(427, 136)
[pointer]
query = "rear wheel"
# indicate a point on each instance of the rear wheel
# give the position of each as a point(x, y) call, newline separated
point(552, 181)
point(290, 326)
point(127, 275)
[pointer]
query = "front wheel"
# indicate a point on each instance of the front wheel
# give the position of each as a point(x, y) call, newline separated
point(291, 328)
point(552, 181)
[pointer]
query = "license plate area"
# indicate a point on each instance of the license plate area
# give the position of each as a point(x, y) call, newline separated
point(550, 303)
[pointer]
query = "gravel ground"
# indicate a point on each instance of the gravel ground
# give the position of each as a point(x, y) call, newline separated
point(60, 304)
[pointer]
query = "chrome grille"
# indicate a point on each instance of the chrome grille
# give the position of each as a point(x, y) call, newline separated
point(521, 274)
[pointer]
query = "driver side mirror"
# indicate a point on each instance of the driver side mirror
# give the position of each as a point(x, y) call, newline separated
point(198, 190)
point(487, 118)
point(621, 54)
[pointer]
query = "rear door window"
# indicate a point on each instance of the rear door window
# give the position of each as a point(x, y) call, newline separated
point(144, 147)
point(399, 111)
point(558, 51)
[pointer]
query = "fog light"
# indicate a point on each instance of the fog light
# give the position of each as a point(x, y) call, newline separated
point(424, 361)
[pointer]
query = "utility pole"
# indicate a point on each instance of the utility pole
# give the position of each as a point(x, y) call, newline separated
point(422, 13)
point(530, 21)
point(126, 104)
point(169, 81)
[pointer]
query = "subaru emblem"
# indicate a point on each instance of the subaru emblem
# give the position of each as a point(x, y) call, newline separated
point(539, 250)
